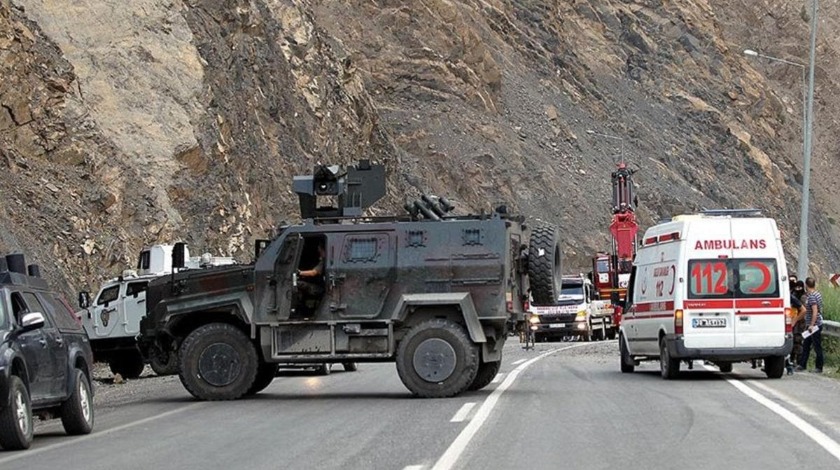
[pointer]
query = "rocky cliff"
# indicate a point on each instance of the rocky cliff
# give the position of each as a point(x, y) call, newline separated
point(128, 123)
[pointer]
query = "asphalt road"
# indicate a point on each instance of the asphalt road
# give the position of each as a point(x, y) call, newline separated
point(565, 405)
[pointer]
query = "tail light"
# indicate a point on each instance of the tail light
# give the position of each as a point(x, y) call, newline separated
point(678, 322)
point(788, 320)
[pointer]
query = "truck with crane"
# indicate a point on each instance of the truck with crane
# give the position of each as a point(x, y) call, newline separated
point(611, 271)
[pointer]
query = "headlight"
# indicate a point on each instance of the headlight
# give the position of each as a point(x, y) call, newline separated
point(581, 316)
point(534, 319)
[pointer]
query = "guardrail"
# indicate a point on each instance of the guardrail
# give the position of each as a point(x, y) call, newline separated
point(831, 328)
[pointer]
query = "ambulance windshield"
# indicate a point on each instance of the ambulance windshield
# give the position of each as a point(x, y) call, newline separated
point(733, 278)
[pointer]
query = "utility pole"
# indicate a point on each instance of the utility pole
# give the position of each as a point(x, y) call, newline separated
point(806, 178)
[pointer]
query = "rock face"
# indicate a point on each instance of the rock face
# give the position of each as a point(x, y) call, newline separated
point(128, 123)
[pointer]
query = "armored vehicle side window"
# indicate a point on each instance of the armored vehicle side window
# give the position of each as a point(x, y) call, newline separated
point(61, 315)
point(363, 249)
point(134, 288)
point(108, 295)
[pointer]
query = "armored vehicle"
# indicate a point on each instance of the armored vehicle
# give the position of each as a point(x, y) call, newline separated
point(112, 318)
point(434, 292)
point(45, 357)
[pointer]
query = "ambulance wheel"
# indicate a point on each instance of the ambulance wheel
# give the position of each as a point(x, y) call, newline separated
point(544, 265)
point(725, 367)
point(774, 367)
point(668, 367)
point(627, 363)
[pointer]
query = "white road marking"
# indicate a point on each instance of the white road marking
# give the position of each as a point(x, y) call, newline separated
point(815, 434)
point(414, 467)
point(498, 378)
point(519, 362)
point(72, 441)
point(461, 415)
point(796, 403)
point(450, 457)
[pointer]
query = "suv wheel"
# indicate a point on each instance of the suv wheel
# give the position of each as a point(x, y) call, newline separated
point(486, 373)
point(218, 362)
point(128, 364)
point(669, 368)
point(436, 359)
point(16, 417)
point(77, 411)
point(544, 265)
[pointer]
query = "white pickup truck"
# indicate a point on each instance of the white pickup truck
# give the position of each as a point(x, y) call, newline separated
point(577, 313)
point(112, 318)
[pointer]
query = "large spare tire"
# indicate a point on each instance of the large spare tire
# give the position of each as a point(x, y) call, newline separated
point(544, 265)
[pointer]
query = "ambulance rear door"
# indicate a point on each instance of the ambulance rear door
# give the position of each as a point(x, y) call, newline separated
point(708, 308)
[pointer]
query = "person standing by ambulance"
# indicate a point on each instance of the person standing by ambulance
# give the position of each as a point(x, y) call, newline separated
point(797, 304)
point(813, 324)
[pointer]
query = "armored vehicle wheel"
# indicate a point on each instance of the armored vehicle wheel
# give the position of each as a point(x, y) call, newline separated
point(16, 417)
point(265, 375)
point(774, 367)
point(350, 366)
point(486, 373)
point(437, 359)
point(163, 363)
point(77, 411)
point(217, 362)
point(128, 364)
point(669, 368)
point(627, 363)
point(544, 265)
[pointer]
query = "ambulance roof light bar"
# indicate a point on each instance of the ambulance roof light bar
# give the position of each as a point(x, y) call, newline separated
point(733, 212)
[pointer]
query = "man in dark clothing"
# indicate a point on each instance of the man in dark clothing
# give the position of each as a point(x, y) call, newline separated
point(813, 324)
point(797, 290)
point(311, 282)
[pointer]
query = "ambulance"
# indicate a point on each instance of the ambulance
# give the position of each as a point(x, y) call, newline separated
point(711, 286)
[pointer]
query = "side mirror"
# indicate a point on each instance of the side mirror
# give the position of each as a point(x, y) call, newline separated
point(31, 321)
point(178, 255)
point(84, 299)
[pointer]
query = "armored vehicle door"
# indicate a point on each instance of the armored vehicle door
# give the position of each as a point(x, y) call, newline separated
point(104, 316)
point(284, 277)
point(364, 273)
point(133, 306)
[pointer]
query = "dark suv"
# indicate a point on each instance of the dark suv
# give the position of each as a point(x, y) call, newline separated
point(45, 357)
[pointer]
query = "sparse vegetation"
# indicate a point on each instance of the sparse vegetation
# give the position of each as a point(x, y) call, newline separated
point(831, 345)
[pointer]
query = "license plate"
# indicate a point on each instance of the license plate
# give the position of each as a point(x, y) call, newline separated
point(708, 322)
point(557, 325)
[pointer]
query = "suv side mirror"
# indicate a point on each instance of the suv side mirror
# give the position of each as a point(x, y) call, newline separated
point(31, 321)
point(84, 299)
